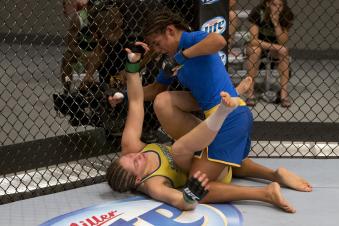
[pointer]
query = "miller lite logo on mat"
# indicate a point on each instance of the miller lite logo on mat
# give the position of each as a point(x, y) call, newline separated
point(208, 2)
point(217, 24)
point(140, 211)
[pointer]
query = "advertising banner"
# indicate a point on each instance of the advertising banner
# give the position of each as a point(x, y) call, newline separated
point(213, 17)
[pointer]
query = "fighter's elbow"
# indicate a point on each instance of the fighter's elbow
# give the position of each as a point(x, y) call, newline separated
point(127, 146)
point(219, 40)
point(188, 207)
point(184, 206)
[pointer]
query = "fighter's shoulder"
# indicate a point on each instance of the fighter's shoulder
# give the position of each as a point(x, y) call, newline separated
point(154, 183)
point(196, 34)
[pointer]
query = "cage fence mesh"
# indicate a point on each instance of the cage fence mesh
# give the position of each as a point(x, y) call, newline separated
point(57, 128)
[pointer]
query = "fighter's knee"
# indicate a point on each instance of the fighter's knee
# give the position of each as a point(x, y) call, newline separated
point(161, 101)
point(178, 148)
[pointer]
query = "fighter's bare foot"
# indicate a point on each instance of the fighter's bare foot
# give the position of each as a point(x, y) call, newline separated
point(244, 86)
point(276, 198)
point(229, 101)
point(291, 180)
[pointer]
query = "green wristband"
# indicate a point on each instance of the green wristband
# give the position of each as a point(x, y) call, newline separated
point(132, 67)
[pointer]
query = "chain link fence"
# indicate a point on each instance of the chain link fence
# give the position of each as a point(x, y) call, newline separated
point(58, 131)
point(309, 126)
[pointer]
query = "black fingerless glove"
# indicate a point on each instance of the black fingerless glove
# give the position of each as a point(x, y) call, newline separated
point(168, 64)
point(194, 191)
point(135, 66)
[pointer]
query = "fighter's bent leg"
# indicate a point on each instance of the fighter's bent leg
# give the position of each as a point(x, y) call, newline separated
point(173, 110)
point(249, 168)
point(211, 169)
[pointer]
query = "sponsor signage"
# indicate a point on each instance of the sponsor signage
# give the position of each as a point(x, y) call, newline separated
point(141, 211)
point(213, 17)
point(223, 57)
point(209, 2)
point(216, 24)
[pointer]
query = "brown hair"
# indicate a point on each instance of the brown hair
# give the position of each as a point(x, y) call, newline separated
point(157, 21)
point(286, 18)
point(106, 21)
point(119, 179)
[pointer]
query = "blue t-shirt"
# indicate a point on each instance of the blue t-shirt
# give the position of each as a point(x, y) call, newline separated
point(205, 76)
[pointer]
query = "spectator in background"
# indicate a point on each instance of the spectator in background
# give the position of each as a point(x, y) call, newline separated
point(73, 6)
point(90, 49)
point(95, 29)
point(234, 22)
point(269, 33)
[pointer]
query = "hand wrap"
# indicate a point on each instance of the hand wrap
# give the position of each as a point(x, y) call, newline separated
point(168, 64)
point(194, 191)
point(133, 67)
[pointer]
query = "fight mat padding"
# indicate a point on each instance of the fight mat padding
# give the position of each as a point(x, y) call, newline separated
point(319, 207)
point(143, 211)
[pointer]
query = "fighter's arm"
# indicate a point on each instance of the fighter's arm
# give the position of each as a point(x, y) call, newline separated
point(159, 188)
point(209, 45)
point(164, 193)
point(130, 141)
point(131, 135)
point(152, 90)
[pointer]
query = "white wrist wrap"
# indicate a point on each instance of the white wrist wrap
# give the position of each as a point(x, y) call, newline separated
point(215, 121)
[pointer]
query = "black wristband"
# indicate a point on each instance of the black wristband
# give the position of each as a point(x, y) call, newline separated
point(180, 58)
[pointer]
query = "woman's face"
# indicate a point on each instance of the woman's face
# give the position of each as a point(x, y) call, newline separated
point(276, 6)
point(164, 43)
point(134, 163)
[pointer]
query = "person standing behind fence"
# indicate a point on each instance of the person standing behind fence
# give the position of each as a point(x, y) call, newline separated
point(269, 32)
point(94, 29)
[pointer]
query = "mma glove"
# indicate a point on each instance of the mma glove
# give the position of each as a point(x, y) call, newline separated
point(169, 64)
point(131, 65)
point(194, 191)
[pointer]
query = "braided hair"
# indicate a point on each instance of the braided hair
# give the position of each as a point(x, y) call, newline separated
point(157, 21)
point(119, 179)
